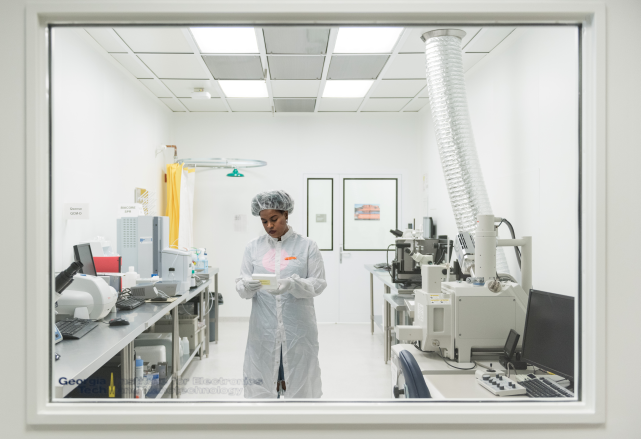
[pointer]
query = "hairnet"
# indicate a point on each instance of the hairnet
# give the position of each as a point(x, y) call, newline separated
point(276, 200)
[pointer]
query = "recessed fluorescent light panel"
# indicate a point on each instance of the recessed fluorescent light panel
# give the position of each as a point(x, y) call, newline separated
point(367, 39)
point(346, 89)
point(244, 89)
point(225, 39)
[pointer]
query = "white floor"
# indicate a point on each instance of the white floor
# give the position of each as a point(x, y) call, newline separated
point(351, 361)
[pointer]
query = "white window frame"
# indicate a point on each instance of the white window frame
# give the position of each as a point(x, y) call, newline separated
point(591, 407)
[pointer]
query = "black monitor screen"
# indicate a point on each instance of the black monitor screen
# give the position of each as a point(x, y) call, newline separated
point(548, 340)
point(510, 343)
point(82, 254)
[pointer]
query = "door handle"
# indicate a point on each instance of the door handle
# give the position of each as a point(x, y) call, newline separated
point(340, 253)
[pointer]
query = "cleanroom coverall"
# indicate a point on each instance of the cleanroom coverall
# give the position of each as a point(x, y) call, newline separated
point(287, 320)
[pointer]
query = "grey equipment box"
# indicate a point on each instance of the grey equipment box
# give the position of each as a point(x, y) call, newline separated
point(140, 241)
point(187, 327)
point(179, 261)
point(169, 288)
point(144, 291)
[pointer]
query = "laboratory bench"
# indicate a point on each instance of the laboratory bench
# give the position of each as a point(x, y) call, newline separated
point(443, 380)
point(396, 306)
point(447, 382)
point(79, 359)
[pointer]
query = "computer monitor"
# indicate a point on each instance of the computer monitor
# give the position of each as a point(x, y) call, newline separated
point(548, 339)
point(510, 343)
point(82, 253)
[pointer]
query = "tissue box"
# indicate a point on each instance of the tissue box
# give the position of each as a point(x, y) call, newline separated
point(269, 281)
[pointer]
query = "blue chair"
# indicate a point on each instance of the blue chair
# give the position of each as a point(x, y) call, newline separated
point(415, 386)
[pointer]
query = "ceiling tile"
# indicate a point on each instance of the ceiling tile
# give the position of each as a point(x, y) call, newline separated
point(384, 104)
point(409, 66)
point(223, 39)
point(295, 67)
point(488, 38)
point(295, 89)
point(414, 44)
point(294, 105)
point(356, 66)
point(107, 38)
point(154, 39)
point(133, 64)
point(296, 40)
point(174, 66)
point(470, 59)
point(157, 88)
point(400, 88)
point(249, 104)
point(215, 104)
point(416, 105)
point(183, 88)
point(367, 39)
point(173, 104)
point(234, 67)
point(339, 104)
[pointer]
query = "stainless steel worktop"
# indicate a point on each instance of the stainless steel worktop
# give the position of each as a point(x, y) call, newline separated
point(79, 359)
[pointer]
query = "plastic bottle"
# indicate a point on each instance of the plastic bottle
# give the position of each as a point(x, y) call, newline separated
point(129, 278)
point(140, 392)
point(181, 354)
point(184, 343)
point(205, 261)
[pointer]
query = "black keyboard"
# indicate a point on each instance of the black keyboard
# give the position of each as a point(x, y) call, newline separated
point(542, 388)
point(73, 329)
point(129, 303)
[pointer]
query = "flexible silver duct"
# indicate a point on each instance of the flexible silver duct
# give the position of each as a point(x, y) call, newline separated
point(448, 100)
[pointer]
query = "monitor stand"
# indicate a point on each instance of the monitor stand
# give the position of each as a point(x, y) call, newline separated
point(517, 364)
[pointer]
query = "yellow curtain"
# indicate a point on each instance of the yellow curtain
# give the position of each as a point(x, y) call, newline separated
point(174, 174)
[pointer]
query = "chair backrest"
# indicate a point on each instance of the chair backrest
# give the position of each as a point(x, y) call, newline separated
point(415, 386)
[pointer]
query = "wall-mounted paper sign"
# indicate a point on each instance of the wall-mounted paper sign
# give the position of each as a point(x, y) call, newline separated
point(132, 209)
point(76, 211)
point(240, 223)
point(321, 217)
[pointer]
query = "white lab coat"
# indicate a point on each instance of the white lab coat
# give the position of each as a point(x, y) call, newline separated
point(288, 320)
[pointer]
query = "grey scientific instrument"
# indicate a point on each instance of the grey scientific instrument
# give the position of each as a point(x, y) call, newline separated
point(141, 239)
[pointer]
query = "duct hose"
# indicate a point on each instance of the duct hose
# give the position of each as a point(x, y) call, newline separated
point(454, 137)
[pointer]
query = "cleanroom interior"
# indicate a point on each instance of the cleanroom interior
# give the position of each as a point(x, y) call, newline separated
point(120, 93)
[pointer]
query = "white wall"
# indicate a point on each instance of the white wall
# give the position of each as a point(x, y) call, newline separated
point(523, 100)
point(292, 145)
point(106, 129)
point(622, 300)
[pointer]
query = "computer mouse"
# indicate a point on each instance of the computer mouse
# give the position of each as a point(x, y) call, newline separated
point(118, 322)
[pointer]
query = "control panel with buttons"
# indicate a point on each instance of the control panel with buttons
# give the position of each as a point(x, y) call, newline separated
point(499, 384)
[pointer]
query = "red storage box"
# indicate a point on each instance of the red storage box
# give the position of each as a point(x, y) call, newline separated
point(109, 265)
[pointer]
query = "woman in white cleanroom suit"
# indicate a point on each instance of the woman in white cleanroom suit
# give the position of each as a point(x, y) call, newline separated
point(282, 346)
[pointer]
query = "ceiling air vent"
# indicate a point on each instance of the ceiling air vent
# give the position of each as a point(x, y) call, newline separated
point(294, 105)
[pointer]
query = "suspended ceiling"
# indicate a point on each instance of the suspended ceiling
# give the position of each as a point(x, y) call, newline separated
point(296, 64)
